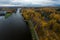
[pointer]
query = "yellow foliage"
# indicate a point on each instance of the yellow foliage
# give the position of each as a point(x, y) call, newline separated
point(44, 23)
point(41, 23)
point(57, 16)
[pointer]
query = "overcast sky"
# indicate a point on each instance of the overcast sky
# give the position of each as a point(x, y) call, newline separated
point(29, 2)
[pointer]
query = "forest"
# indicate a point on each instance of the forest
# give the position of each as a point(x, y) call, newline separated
point(45, 21)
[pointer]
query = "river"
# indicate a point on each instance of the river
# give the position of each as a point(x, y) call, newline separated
point(14, 28)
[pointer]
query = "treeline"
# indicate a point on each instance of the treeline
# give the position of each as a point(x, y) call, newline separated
point(9, 10)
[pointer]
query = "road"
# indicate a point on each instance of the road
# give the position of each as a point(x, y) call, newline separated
point(14, 28)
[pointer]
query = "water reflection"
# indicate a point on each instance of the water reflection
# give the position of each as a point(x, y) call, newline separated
point(14, 28)
point(2, 18)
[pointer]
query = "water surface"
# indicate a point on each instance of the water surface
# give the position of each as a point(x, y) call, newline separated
point(14, 28)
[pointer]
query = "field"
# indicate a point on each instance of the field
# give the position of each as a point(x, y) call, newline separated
point(44, 21)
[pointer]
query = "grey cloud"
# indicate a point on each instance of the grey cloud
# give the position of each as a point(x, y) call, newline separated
point(9, 2)
point(4, 1)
